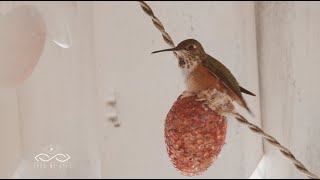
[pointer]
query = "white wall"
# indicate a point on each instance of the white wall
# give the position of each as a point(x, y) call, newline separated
point(9, 132)
point(58, 105)
point(272, 49)
point(289, 41)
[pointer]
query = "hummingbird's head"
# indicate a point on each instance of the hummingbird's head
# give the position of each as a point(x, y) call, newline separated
point(190, 53)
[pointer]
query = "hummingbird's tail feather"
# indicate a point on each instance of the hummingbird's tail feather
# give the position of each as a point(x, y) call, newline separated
point(246, 91)
point(247, 108)
point(250, 112)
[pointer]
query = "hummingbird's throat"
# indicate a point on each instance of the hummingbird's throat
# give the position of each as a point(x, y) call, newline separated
point(188, 62)
point(182, 62)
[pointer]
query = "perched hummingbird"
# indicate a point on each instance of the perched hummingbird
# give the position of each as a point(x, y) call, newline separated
point(204, 72)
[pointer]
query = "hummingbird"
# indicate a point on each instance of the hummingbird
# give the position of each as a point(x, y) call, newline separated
point(202, 72)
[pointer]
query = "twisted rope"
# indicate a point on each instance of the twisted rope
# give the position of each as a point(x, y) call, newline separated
point(157, 23)
point(166, 37)
point(286, 152)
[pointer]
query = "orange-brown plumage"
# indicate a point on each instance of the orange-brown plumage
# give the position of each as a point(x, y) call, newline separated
point(200, 78)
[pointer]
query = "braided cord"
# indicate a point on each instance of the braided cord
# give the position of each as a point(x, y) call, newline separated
point(285, 151)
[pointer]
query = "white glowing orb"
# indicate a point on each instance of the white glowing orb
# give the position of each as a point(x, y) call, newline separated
point(22, 35)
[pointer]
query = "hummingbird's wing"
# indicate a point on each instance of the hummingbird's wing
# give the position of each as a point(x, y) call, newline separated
point(225, 76)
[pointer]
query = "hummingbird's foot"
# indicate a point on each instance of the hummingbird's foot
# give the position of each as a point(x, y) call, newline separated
point(187, 94)
point(217, 101)
point(205, 95)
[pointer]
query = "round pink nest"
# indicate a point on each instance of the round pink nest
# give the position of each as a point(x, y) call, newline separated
point(194, 136)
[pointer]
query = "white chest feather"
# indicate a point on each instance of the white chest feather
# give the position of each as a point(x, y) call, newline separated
point(187, 71)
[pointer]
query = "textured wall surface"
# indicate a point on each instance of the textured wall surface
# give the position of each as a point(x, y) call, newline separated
point(9, 132)
point(58, 106)
point(288, 47)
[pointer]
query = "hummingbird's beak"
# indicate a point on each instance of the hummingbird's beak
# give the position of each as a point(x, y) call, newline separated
point(170, 49)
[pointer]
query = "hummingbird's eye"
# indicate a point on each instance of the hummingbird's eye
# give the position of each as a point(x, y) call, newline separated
point(191, 47)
